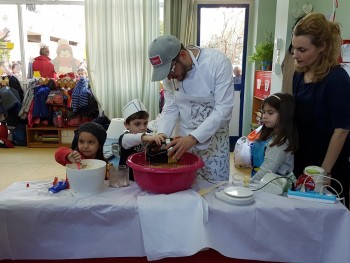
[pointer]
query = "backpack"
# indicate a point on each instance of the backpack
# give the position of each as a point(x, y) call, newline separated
point(19, 135)
point(56, 97)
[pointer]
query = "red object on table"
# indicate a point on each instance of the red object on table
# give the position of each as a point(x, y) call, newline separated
point(307, 181)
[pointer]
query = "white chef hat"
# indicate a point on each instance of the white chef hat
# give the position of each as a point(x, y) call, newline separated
point(132, 107)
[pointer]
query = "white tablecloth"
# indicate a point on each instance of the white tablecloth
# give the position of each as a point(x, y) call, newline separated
point(166, 235)
point(276, 228)
point(273, 228)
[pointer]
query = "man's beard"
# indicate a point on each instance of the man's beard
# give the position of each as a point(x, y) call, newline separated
point(183, 73)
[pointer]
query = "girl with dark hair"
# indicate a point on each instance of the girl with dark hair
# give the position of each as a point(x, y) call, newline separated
point(91, 138)
point(274, 150)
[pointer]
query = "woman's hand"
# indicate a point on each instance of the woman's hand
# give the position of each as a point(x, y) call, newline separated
point(335, 146)
point(74, 157)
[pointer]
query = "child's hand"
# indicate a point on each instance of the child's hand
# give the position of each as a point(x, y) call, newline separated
point(74, 157)
point(158, 138)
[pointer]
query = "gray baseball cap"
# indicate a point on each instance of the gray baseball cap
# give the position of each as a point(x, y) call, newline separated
point(161, 52)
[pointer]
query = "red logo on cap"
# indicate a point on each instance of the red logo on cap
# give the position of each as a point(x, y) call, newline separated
point(155, 61)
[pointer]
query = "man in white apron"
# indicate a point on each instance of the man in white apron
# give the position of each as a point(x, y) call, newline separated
point(199, 95)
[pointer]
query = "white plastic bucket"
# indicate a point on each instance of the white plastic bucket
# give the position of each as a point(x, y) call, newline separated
point(89, 180)
point(316, 173)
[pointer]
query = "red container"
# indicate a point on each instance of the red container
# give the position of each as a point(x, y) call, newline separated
point(160, 180)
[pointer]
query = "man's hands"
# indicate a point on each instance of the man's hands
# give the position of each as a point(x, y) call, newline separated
point(180, 145)
point(157, 138)
point(176, 148)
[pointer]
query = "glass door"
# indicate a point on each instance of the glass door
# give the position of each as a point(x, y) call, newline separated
point(225, 27)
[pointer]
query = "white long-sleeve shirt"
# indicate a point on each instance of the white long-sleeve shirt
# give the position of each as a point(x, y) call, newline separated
point(213, 69)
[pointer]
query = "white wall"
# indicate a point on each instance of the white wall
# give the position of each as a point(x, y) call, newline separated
point(282, 31)
point(261, 19)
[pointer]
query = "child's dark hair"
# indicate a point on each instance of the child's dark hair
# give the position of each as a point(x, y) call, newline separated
point(285, 127)
point(137, 115)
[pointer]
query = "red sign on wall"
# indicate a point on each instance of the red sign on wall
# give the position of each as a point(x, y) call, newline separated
point(345, 51)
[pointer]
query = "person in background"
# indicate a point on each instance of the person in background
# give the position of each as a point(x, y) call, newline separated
point(16, 68)
point(83, 101)
point(43, 63)
point(274, 150)
point(137, 136)
point(321, 88)
point(237, 79)
point(91, 138)
point(82, 72)
point(199, 95)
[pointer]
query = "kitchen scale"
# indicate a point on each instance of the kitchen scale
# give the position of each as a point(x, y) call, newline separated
point(237, 195)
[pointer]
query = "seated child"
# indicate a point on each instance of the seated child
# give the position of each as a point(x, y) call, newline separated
point(137, 136)
point(91, 137)
point(274, 150)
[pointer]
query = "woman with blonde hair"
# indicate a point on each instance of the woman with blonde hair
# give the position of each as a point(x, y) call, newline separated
point(321, 88)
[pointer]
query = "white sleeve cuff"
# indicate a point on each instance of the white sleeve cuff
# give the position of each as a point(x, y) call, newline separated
point(130, 140)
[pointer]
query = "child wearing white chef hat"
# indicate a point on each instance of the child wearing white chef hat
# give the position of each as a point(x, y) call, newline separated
point(137, 136)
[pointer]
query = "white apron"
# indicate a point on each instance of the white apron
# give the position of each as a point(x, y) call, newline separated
point(193, 111)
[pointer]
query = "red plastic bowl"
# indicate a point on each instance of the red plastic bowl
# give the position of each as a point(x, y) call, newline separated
point(165, 180)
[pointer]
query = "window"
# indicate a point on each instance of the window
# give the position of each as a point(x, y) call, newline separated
point(44, 24)
point(222, 27)
point(225, 27)
point(9, 34)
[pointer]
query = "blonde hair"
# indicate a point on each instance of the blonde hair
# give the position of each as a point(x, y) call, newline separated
point(83, 70)
point(322, 33)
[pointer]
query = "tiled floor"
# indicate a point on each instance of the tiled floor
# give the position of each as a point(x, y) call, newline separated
point(30, 164)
